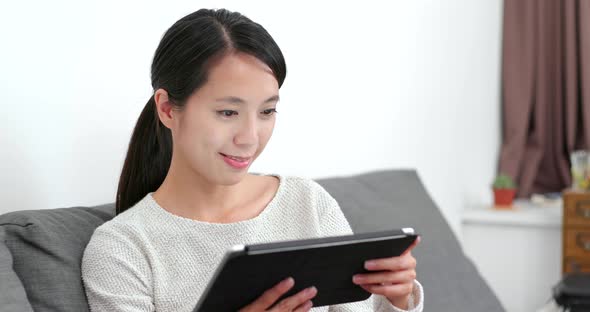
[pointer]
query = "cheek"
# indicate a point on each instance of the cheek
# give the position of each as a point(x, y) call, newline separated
point(200, 137)
point(265, 134)
point(211, 139)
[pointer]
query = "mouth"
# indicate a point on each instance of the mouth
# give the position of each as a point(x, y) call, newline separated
point(237, 162)
point(237, 158)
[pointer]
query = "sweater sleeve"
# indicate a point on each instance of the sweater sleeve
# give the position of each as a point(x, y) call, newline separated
point(334, 223)
point(115, 274)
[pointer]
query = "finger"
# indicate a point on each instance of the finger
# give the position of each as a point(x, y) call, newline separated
point(414, 244)
point(270, 296)
point(390, 291)
point(304, 307)
point(288, 304)
point(404, 262)
point(389, 277)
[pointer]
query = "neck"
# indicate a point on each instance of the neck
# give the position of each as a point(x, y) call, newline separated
point(190, 195)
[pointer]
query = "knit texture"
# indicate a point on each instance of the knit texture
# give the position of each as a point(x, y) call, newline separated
point(147, 259)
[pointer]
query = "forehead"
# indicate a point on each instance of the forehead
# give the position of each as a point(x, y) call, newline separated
point(242, 75)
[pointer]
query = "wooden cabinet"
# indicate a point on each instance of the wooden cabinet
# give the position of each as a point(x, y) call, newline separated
point(576, 232)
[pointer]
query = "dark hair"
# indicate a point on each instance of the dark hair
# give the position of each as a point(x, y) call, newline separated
point(180, 66)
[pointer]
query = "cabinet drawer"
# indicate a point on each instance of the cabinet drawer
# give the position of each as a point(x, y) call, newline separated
point(573, 264)
point(576, 209)
point(577, 243)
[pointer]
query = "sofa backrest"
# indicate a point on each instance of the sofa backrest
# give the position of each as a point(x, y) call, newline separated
point(45, 246)
point(45, 249)
point(12, 292)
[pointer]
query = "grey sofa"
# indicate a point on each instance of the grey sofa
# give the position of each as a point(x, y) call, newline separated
point(40, 250)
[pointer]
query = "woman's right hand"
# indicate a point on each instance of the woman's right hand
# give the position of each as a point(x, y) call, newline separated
point(299, 302)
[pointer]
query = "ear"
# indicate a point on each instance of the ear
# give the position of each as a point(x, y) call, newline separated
point(164, 108)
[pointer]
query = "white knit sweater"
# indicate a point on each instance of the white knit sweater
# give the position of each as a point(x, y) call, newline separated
point(147, 259)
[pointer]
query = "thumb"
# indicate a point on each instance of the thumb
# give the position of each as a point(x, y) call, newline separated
point(414, 244)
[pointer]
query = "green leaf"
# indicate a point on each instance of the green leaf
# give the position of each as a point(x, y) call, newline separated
point(504, 181)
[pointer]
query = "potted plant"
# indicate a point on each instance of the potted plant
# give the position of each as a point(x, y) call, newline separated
point(504, 191)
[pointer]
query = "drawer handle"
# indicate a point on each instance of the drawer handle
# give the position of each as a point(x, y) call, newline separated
point(583, 241)
point(573, 265)
point(582, 211)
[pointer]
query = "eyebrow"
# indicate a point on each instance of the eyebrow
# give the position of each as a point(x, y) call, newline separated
point(236, 100)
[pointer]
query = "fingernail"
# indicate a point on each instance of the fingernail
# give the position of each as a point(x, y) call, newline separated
point(369, 264)
point(310, 290)
point(357, 279)
point(288, 281)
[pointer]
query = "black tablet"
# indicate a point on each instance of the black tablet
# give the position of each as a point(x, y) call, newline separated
point(326, 263)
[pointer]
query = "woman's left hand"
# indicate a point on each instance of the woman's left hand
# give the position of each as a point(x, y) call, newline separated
point(395, 279)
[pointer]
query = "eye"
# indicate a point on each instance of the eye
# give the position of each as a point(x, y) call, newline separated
point(269, 111)
point(227, 113)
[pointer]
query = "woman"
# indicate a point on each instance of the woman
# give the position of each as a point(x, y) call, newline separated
point(185, 194)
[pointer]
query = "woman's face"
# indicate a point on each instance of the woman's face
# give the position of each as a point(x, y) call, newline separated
point(226, 123)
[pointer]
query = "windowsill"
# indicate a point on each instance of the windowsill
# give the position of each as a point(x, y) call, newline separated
point(523, 213)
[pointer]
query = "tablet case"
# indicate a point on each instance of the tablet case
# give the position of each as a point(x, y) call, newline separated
point(246, 272)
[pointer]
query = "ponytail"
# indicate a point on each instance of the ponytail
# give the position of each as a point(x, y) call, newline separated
point(148, 159)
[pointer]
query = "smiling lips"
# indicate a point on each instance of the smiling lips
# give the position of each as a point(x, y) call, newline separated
point(235, 161)
point(236, 157)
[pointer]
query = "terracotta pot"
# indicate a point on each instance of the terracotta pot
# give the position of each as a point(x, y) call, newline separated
point(504, 197)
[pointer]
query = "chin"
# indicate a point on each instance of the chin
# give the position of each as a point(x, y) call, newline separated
point(232, 178)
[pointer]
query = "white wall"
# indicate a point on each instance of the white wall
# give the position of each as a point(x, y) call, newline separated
point(370, 85)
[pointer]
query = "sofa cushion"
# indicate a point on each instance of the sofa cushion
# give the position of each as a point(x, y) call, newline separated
point(12, 294)
point(46, 248)
point(393, 199)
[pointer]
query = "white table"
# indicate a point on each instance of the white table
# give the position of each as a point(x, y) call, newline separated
point(517, 251)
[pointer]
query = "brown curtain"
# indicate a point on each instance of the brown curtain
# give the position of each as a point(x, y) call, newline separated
point(545, 91)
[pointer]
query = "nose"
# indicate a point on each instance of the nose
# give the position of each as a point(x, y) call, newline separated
point(247, 133)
